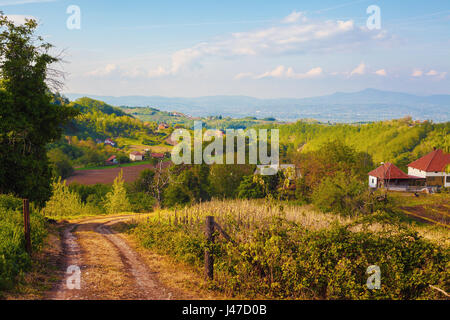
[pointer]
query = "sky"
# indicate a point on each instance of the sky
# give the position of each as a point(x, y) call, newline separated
point(264, 49)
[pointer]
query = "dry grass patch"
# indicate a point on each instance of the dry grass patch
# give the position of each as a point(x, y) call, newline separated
point(104, 275)
point(183, 280)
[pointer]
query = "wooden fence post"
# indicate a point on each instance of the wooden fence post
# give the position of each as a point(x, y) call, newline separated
point(209, 259)
point(26, 224)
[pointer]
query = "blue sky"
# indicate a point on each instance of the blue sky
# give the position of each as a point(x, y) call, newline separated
point(259, 48)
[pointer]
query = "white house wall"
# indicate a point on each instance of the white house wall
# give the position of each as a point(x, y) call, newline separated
point(373, 182)
point(423, 174)
point(416, 172)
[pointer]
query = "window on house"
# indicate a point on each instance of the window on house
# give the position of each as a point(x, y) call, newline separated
point(448, 179)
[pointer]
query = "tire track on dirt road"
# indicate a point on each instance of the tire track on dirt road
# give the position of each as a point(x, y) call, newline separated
point(72, 256)
point(133, 279)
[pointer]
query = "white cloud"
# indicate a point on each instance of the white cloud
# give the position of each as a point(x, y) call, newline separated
point(20, 2)
point(381, 72)
point(243, 75)
point(105, 71)
point(158, 72)
point(359, 70)
point(436, 74)
point(278, 72)
point(289, 73)
point(19, 18)
point(417, 73)
point(432, 73)
point(127, 72)
point(294, 17)
point(315, 72)
point(299, 36)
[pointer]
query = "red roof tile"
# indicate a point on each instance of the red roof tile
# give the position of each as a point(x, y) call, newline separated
point(389, 171)
point(136, 153)
point(157, 155)
point(111, 158)
point(435, 161)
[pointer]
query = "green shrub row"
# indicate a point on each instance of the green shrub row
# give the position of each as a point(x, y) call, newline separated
point(286, 261)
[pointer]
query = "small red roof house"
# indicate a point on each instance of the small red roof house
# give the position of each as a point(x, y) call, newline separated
point(391, 177)
point(433, 167)
point(110, 142)
point(136, 156)
point(163, 126)
point(111, 160)
point(158, 155)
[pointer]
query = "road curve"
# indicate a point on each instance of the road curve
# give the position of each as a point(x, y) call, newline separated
point(109, 267)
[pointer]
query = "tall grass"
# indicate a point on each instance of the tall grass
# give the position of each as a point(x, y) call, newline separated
point(14, 260)
point(283, 251)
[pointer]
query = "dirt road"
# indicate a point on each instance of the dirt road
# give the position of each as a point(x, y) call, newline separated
point(108, 267)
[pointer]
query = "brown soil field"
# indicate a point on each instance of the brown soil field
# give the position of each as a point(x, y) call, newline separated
point(107, 176)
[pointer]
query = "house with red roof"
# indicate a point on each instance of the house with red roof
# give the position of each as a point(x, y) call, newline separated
point(110, 142)
point(163, 126)
point(434, 167)
point(391, 177)
point(158, 155)
point(112, 160)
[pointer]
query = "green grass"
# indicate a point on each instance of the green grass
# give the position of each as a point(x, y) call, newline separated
point(409, 200)
point(14, 261)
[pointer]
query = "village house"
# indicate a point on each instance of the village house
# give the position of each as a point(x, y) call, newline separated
point(136, 156)
point(158, 155)
point(163, 126)
point(112, 160)
point(433, 168)
point(110, 142)
point(390, 177)
point(427, 173)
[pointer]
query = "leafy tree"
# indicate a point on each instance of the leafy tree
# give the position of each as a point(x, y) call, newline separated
point(117, 200)
point(175, 194)
point(225, 179)
point(92, 195)
point(60, 164)
point(28, 118)
point(251, 188)
point(145, 181)
point(141, 202)
point(122, 158)
point(191, 185)
point(63, 201)
point(332, 158)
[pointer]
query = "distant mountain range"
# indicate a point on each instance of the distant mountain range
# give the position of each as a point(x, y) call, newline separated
point(362, 106)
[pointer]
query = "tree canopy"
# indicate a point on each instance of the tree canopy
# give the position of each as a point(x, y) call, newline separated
point(28, 118)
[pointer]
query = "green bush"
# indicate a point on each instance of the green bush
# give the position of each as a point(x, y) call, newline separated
point(66, 203)
point(14, 261)
point(9, 202)
point(250, 188)
point(92, 195)
point(141, 202)
point(283, 260)
point(117, 201)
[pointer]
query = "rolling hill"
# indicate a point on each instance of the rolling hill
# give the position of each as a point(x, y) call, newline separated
point(362, 106)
